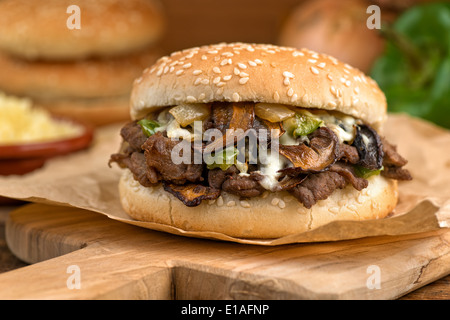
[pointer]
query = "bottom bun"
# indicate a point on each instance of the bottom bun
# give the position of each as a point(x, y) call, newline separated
point(96, 112)
point(272, 215)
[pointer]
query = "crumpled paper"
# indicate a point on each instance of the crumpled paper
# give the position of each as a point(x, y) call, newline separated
point(84, 180)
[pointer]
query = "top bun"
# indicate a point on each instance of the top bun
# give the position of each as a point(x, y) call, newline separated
point(259, 73)
point(38, 29)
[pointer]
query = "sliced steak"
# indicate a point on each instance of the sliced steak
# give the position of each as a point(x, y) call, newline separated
point(243, 185)
point(349, 174)
point(318, 186)
point(391, 156)
point(136, 163)
point(158, 156)
point(133, 134)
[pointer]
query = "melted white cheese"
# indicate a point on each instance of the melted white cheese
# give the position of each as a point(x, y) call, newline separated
point(270, 171)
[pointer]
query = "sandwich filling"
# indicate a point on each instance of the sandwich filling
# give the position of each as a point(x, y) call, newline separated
point(198, 151)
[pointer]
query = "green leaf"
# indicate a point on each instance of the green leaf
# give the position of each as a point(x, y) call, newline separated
point(366, 173)
point(414, 71)
point(301, 125)
point(148, 126)
point(224, 159)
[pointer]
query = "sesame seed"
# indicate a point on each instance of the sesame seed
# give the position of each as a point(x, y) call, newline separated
point(237, 71)
point(160, 71)
point(216, 70)
point(333, 90)
point(346, 71)
point(171, 69)
point(312, 60)
point(288, 74)
point(197, 72)
point(243, 74)
point(356, 90)
point(220, 201)
point(205, 81)
point(348, 83)
point(290, 92)
point(187, 65)
point(321, 65)
point(213, 51)
point(245, 204)
point(297, 53)
point(243, 80)
point(242, 66)
point(224, 62)
point(220, 84)
point(197, 81)
point(281, 204)
point(236, 97)
point(314, 70)
point(334, 210)
point(329, 77)
point(166, 69)
point(332, 104)
point(228, 77)
point(252, 63)
point(276, 96)
point(179, 72)
point(271, 51)
point(286, 81)
point(204, 57)
point(216, 80)
point(275, 201)
point(346, 65)
point(231, 203)
point(294, 97)
point(201, 96)
point(219, 91)
point(258, 61)
point(191, 99)
point(342, 80)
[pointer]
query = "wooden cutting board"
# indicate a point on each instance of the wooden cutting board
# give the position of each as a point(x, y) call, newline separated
point(77, 254)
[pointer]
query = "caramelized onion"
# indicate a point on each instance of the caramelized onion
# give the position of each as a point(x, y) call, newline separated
point(186, 114)
point(273, 112)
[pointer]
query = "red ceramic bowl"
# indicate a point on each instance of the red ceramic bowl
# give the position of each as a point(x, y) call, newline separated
point(24, 158)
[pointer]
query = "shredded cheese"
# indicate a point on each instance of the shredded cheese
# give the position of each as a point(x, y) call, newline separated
point(20, 122)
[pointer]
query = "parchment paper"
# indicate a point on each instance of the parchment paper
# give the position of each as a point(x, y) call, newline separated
point(84, 180)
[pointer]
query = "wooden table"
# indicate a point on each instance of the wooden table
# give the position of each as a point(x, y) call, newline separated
point(438, 290)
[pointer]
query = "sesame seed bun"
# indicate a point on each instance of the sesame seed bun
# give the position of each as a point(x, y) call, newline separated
point(95, 112)
point(38, 29)
point(273, 215)
point(87, 78)
point(258, 73)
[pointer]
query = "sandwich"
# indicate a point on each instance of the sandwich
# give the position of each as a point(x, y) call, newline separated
point(84, 73)
point(256, 141)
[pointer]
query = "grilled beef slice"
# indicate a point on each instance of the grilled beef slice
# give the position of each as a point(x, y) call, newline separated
point(158, 156)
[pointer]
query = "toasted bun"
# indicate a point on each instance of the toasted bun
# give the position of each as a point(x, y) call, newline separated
point(259, 73)
point(96, 112)
point(273, 215)
point(88, 78)
point(39, 29)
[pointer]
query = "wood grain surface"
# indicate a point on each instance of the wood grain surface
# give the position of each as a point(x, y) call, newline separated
point(120, 261)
